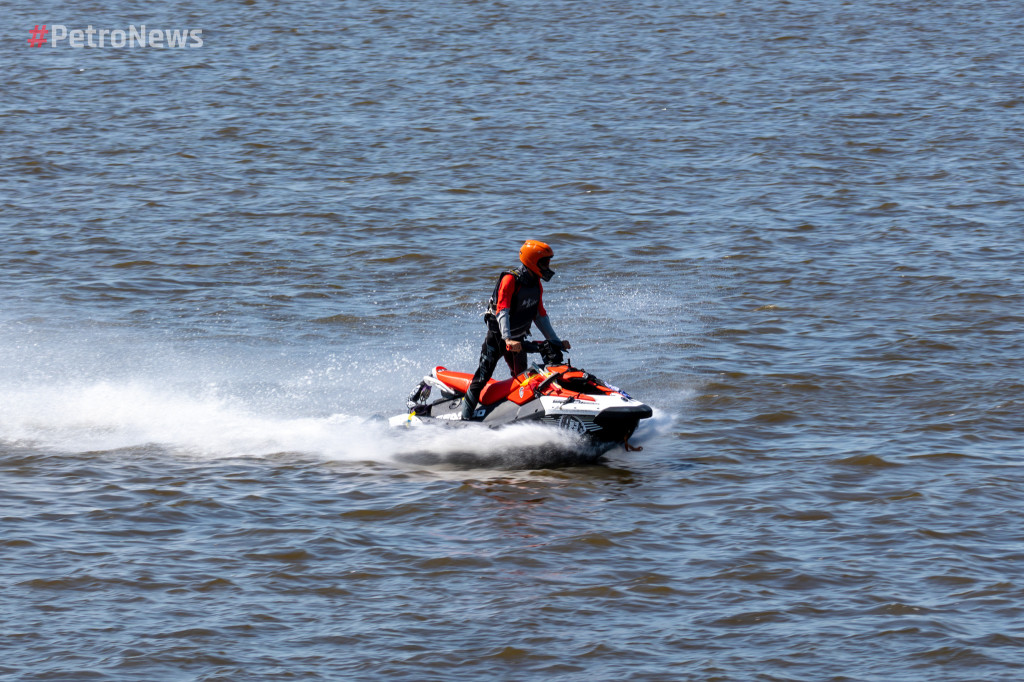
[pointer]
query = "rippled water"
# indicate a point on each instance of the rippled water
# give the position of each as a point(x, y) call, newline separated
point(794, 230)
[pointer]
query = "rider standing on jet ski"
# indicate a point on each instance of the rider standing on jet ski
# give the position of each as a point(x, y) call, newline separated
point(515, 305)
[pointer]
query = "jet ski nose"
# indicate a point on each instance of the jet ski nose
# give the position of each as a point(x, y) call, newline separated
point(619, 422)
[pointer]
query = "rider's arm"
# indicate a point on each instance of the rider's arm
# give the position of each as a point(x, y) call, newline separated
point(544, 325)
point(503, 324)
point(506, 290)
point(542, 320)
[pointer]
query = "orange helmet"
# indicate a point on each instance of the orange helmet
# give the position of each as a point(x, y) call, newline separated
point(536, 256)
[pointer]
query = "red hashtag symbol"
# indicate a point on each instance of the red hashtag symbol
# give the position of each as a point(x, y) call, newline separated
point(38, 36)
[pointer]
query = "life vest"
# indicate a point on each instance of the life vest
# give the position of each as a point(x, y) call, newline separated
point(525, 302)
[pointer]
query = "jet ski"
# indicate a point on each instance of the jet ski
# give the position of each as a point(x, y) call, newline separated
point(552, 393)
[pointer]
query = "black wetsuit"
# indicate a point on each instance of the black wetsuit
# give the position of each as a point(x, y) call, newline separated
point(524, 306)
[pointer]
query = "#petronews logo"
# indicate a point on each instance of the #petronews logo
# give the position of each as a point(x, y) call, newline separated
point(133, 36)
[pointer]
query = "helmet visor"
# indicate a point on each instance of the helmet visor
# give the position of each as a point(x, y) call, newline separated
point(544, 265)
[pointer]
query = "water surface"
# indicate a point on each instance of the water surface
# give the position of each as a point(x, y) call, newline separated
point(793, 230)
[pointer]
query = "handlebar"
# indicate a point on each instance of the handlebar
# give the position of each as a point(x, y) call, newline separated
point(550, 351)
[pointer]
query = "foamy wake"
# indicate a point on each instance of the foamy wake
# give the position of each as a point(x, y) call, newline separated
point(105, 416)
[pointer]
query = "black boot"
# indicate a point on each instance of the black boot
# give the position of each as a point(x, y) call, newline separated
point(468, 406)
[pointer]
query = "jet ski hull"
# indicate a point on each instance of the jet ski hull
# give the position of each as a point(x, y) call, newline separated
point(562, 397)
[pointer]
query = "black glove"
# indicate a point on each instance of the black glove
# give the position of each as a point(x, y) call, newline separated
point(551, 352)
